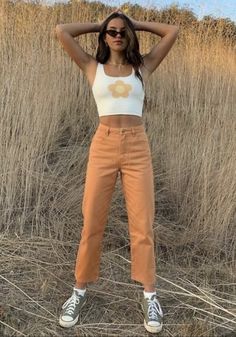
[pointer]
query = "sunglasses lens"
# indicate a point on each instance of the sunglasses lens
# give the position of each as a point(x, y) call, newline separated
point(114, 33)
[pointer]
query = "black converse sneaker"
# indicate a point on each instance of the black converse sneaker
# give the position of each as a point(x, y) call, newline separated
point(71, 309)
point(153, 315)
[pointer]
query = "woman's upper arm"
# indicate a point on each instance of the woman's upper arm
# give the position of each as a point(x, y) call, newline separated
point(73, 48)
point(159, 51)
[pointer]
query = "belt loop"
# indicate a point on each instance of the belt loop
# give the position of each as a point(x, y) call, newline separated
point(107, 131)
point(133, 131)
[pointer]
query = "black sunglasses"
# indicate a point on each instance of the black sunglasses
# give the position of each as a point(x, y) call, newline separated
point(114, 33)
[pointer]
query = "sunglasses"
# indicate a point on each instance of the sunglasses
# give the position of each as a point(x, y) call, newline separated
point(114, 33)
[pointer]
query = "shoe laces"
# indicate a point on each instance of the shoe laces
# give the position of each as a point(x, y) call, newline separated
point(71, 304)
point(154, 308)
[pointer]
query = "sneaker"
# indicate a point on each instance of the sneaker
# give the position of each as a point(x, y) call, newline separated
point(71, 308)
point(153, 315)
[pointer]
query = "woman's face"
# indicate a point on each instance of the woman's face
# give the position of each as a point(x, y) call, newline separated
point(117, 43)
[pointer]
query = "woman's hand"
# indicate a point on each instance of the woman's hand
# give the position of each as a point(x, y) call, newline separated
point(116, 10)
point(134, 22)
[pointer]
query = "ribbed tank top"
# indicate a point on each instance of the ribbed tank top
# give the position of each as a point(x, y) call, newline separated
point(117, 95)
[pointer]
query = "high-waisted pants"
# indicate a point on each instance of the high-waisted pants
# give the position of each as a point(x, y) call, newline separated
point(112, 151)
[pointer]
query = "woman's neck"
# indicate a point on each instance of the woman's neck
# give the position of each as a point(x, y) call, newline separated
point(117, 59)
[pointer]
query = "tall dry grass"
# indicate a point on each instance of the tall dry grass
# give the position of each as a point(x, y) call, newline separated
point(48, 116)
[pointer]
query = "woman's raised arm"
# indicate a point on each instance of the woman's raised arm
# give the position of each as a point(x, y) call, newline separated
point(78, 28)
point(66, 33)
point(168, 35)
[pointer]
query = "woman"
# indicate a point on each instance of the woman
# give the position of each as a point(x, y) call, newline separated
point(117, 78)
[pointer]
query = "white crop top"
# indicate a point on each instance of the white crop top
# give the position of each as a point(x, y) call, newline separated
point(117, 95)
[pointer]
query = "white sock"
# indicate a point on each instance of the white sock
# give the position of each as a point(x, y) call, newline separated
point(148, 294)
point(80, 291)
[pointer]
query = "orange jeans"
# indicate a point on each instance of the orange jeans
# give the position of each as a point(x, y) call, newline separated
point(112, 151)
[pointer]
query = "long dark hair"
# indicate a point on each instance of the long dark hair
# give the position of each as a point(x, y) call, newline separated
point(132, 53)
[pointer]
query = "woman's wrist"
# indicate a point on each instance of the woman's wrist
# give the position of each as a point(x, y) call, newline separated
point(143, 25)
point(138, 25)
point(97, 27)
point(157, 28)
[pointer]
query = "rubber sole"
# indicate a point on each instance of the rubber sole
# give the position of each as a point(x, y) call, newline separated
point(65, 324)
point(153, 329)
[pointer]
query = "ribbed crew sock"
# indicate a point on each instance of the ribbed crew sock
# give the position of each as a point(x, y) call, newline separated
point(80, 291)
point(148, 294)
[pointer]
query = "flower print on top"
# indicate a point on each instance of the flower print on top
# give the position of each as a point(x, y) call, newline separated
point(120, 89)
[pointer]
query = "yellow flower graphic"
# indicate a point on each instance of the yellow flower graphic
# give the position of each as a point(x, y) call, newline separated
point(120, 89)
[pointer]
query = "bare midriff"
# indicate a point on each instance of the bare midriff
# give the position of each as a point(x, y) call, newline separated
point(121, 121)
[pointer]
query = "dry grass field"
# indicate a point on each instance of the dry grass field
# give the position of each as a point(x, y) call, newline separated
point(48, 117)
